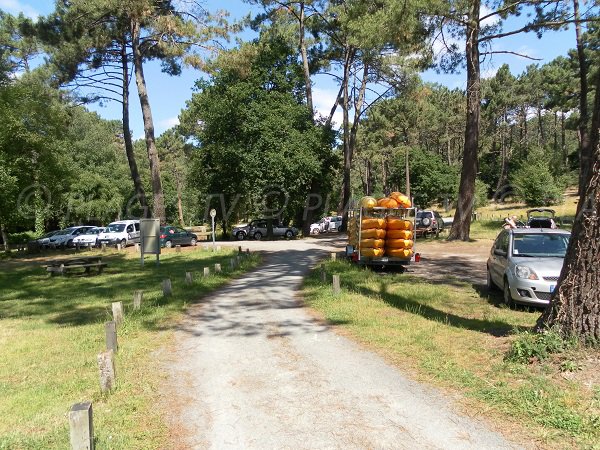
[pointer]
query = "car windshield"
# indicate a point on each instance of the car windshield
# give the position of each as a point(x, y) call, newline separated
point(63, 232)
point(540, 245)
point(91, 231)
point(422, 214)
point(115, 228)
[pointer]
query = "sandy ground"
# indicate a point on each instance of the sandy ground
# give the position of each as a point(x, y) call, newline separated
point(253, 370)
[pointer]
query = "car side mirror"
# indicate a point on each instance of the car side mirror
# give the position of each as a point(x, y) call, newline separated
point(499, 252)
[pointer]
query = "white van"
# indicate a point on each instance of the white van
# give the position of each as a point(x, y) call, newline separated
point(122, 232)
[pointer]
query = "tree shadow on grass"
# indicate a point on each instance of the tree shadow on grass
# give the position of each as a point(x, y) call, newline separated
point(497, 328)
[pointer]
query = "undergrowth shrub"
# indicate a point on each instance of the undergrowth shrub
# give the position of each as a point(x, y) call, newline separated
point(529, 346)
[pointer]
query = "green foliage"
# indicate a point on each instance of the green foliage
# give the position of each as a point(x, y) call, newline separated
point(481, 194)
point(534, 183)
point(256, 135)
point(431, 180)
point(529, 346)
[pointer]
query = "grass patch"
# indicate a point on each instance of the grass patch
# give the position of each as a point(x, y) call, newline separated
point(52, 328)
point(453, 337)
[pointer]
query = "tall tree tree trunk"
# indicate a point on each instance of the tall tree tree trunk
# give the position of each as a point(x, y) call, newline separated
point(575, 306)
point(585, 149)
point(346, 189)
point(179, 200)
point(157, 190)
point(127, 140)
point(305, 66)
point(461, 225)
point(4, 235)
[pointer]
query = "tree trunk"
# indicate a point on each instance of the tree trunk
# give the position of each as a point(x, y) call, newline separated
point(157, 191)
point(585, 149)
point(179, 201)
point(575, 307)
point(305, 66)
point(127, 140)
point(563, 139)
point(346, 190)
point(4, 235)
point(461, 225)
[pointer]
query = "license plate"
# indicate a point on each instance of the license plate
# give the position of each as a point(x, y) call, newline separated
point(552, 288)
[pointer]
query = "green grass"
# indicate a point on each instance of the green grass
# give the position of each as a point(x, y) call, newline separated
point(52, 329)
point(455, 337)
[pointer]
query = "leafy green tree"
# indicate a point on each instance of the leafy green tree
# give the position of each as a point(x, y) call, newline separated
point(431, 180)
point(255, 134)
point(534, 183)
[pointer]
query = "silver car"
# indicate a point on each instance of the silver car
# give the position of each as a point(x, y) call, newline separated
point(526, 263)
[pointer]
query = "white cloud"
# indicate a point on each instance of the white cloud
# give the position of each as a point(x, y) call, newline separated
point(484, 11)
point(169, 123)
point(15, 7)
point(489, 73)
point(324, 100)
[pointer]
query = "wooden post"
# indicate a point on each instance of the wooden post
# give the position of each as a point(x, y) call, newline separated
point(137, 247)
point(137, 299)
point(232, 263)
point(323, 274)
point(77, 247)
point(240, 249)
point(206, 271)
point(217, 268)
point(166, 287)
point(117, 311)
point(189, 277)
point(106, 368)
point(119, 247)
point(111, 336)
point(81, 426)
point(103, 247)
point(218, 248)
point(178, 248)
point(333, 256)
point(336, 285)
point(247, 251)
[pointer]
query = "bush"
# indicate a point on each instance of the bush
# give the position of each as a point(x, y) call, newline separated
point(481, 194)
point(534, 183)
point(530, 346)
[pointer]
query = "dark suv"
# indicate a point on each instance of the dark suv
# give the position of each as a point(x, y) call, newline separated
point(428, 222)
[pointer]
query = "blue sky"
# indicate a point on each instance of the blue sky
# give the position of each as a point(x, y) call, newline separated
point(169, 94)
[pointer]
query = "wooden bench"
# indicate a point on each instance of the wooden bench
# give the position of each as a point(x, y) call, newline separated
point(62, 269)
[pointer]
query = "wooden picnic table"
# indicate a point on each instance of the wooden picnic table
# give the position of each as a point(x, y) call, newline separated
point(62, 266)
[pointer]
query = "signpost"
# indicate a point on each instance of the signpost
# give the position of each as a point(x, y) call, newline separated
point(213, 213)
point(150, 238)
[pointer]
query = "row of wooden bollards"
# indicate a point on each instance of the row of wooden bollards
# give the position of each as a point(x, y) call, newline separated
point(80, 416)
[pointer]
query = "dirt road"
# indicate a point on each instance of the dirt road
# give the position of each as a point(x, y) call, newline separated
point(253, 370)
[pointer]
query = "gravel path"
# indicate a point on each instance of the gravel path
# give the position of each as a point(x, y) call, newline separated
point(253, 370)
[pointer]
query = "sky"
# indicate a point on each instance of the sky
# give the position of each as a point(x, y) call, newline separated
point(168, 95)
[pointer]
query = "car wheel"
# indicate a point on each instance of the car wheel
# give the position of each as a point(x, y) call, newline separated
point(123, 243)
point(168, 244)
point(193, 242)
point(258, 235)
point(508, 300)
point(240, 235)
point(69, 243)
point(489, 282)
point(289, 234)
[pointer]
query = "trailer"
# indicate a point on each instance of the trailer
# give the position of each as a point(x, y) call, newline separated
point(358, 255)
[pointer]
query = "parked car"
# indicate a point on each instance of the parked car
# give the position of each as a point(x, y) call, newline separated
point(330, 223)
point(315, 228)
point(526, 263)
point(44, 240)
point(122, 232)
point(64, 238)
point(89, 238)
point(257, 229)
point(541, 218)
point(428, 222)
point(171, 236)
